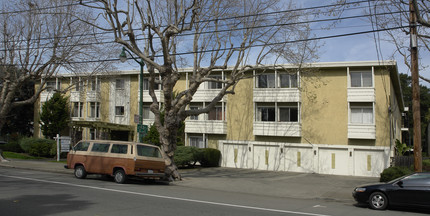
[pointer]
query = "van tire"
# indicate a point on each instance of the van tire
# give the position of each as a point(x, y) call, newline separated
point(80, 172)
point(119, 176)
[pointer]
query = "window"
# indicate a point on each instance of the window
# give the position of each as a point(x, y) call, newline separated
point(119, 84)
point(288, 80)
point(361, 79)
point(94, 110)
point(213, 84)
point(361, 113)
point(194, 117)
point(197, 141)
point(147, 114)
point(77, 109)
point(93, 134)
point(148, 151)
point(288, 114)
point(266, 81)
point(95, 85)
point(51, 85)
point(146, 84)
point(119, 149)
point(266, 114)
point(79, 86)
point(119, 110)
point(100, 147)
point(82, 146)
point(216, 113)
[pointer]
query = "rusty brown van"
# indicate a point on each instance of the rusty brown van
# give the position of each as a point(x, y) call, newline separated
point(116, 158)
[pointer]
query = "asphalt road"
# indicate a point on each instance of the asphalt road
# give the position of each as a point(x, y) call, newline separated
point(29, 192)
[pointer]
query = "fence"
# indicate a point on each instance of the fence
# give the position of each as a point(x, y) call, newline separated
point(405, 161)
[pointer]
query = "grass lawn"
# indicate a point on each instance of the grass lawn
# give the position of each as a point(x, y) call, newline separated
point(15, 155)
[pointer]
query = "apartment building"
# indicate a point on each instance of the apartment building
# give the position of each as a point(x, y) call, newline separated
point(332, 118)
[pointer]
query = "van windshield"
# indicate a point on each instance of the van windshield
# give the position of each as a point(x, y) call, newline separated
point(82, 146)
point(148, 151)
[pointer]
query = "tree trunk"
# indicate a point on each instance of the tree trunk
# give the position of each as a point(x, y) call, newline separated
point(2, 159)
point(168, 140)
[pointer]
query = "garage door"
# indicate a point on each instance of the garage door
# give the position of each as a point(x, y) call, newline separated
point(333, 161)
point(235, 155)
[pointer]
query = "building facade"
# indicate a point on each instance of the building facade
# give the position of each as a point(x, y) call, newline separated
point(332, 118)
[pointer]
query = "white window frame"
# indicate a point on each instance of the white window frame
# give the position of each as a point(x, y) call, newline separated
point(95, 84)
point(259, 113)
point(119, 84)
point(215, 85)
point(194, 117)
point(290, 81)
point(288, 107)
point(361, 108)
point(116, 111)
point(267, 82)
point(361, 72)
point(94, 109)
point(79, 109)
point(147, 113)
point(200, 139)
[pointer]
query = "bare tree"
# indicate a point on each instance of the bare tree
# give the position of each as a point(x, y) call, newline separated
point(207, 35)
point(38, 39)
point(394, 17)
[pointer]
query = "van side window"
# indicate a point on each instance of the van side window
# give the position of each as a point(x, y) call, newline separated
point(82, 146)
point(119, 149)
point(100, 147)
point(148, 151)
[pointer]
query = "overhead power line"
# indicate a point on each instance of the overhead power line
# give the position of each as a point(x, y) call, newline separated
point(227, 30)
point(257, 45)
point(211, 20)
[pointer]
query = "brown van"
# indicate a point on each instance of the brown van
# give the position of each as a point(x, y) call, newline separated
point(116, 158)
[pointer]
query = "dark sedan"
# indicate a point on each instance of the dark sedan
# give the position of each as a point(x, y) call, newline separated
point(410, 190)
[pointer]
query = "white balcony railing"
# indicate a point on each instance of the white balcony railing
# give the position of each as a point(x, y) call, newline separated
point(276, 95)
point(356, 131)
point(288, 129)
point(207, 126)
point(361, 94)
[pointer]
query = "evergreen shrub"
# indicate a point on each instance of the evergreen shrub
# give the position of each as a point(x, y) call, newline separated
point(209, 157)
point(392, 173)
point(186, 156)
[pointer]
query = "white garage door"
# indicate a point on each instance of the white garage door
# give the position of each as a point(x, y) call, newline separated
point(235, 155)
point(333, 161)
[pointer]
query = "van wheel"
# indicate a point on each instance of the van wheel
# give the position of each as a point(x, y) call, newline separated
point(119, 176)
point(80, 172)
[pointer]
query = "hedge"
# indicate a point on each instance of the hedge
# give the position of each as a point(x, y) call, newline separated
point(39, 147)
point(186, 156)
point(392, 173)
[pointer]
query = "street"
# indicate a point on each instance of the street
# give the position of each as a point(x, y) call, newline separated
point(29, 192)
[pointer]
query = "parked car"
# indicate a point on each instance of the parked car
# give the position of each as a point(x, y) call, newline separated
point(116, 158)
point(409, 190)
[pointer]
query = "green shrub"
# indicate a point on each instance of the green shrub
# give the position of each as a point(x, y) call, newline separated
point(393, 173)
point(209, 157)
point(38, 147)
point(25, 143)
point(12, 146)
point(186, 156)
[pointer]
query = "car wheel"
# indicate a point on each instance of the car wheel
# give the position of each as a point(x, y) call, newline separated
point(119, 176)
point(378, 201)
point(80, 172)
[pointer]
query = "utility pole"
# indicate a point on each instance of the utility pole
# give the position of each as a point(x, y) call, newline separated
point(415, 88)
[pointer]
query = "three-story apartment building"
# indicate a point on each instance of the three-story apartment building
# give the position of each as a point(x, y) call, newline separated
point(332, 118)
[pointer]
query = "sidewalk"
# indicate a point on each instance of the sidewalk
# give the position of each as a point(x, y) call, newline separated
point(265, 183)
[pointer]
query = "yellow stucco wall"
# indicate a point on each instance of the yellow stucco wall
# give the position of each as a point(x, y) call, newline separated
point(240, 113)
point(324, 108)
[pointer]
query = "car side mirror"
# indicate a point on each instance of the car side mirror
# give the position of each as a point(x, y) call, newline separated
point(400, 183)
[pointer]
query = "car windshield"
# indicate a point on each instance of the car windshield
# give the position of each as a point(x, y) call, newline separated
point(397, 179)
